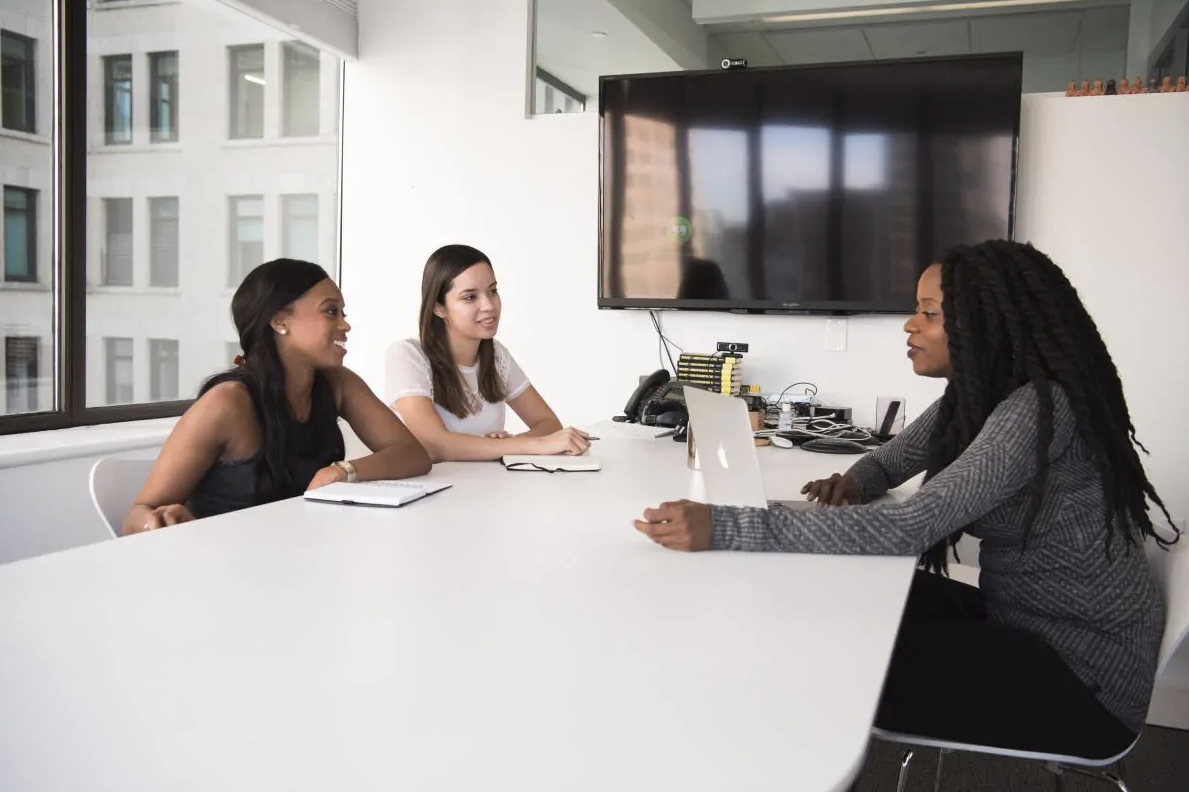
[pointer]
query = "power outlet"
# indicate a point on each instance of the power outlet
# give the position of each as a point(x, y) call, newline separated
point(836, 335)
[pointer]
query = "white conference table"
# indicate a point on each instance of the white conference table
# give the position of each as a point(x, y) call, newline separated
point(513, 632)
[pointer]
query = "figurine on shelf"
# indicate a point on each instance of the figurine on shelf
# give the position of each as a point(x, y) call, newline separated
point(1111, 88)
point(1166, 85)
point(1071, 89)
point(1097, 89)
point(1153, 86)
point(1124, 87)
point(1085, 89)
point(1181, 86)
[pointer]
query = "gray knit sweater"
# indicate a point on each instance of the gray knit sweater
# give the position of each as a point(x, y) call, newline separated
point(1104, 617)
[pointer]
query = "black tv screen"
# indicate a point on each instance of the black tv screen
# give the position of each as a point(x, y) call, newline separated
point(801, 189)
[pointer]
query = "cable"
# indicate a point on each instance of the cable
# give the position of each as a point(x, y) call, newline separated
point(808, 387)
point(663, 342)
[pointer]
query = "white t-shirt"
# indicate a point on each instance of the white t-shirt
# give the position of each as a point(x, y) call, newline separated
point(409, 374)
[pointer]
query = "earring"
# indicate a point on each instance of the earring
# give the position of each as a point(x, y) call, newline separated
point(283, 331)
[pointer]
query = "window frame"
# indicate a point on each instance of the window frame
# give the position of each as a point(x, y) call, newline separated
point(30, 99)
point(156, 225)
point(65, 210)
point(31, 220)
point(234, 75)
point(291, 52)
point(129, 206)
point(109, 100)
point(12, 342)
point(173, 134)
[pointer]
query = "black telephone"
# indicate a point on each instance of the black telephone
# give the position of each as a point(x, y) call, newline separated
point(657, 402)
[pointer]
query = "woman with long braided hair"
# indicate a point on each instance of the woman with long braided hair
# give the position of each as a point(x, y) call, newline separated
point(1031, 449)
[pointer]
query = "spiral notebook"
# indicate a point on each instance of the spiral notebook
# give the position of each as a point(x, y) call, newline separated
point(551, 464)
point(376, 493)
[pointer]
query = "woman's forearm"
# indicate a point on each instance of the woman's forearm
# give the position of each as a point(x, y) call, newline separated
point(397, 461)
point(457, 447)
point(543, 428)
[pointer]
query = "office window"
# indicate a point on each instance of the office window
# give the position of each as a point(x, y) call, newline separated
point(247, 91)
point(301, 97)
point(20, 374)
point(163, 242)
point(20, 235)
point(18, 86)
point(141, 292)
point(163, 97)
point(117, 99)
point(117, 251)
point(299, 221)
point(163, 369)
point(551, 95)
point(119, 370)
point(246, 223)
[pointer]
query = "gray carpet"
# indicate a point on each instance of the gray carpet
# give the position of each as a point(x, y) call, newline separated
point(1159, 763)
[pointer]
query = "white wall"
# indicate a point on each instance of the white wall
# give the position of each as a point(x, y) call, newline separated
point(47, 508)
point(423, 169)
point(1116, 225)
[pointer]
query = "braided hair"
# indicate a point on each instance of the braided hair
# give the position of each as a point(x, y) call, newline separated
point(1012, 318)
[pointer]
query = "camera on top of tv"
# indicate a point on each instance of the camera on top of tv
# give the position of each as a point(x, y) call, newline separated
point(734, 63)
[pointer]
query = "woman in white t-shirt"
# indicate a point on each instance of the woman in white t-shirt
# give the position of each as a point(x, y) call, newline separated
point(452, 387)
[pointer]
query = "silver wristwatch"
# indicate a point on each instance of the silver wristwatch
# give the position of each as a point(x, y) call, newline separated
point(347, 468)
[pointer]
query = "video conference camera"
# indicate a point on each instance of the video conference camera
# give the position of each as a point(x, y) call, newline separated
point(734, 63)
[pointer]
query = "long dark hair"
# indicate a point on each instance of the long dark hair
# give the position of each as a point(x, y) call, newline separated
point(1012, 317)
point(449, 390)
point(267, 290)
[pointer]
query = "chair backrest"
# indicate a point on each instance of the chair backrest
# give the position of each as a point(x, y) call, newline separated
point(1171, 568)
point(115, 484)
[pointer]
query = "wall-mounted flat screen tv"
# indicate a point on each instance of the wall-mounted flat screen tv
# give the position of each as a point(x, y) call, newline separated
point(806, 189)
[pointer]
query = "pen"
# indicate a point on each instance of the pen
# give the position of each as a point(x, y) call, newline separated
point(591, 437)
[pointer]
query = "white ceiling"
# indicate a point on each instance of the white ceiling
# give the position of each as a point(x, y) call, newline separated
point(567, 50)
point(1067, 33)
point(1044, 33)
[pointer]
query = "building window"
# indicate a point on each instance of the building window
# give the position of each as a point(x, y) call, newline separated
point(299, 227)
point(119, 370)
point(20, 235)
point(163, 369)
point(17, 84)
point(117, 99)
point(20, 374)
point(163, 97)
point(163, 242)
point(247, 235)
point(554, 96)
point(301, 97)
point(247, 91)
point(117, 250)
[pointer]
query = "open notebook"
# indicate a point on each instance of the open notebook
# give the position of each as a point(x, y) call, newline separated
point(551, 464)
point(376, 493)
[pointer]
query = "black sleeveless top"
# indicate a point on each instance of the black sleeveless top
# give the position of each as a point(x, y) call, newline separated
point(314, 444)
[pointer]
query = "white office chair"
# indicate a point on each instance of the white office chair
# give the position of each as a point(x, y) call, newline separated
point(1172, 572)
point(115, 484)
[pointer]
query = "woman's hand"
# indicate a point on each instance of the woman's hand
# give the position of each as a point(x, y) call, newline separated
point(567, 441)
point(161, 516)
point(327, 475)
point(680, 525)
point(836, 490)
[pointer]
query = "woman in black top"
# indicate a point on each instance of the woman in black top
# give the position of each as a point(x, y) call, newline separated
point(268, 429)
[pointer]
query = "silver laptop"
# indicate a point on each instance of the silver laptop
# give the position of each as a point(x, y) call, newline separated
point(726, 450)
